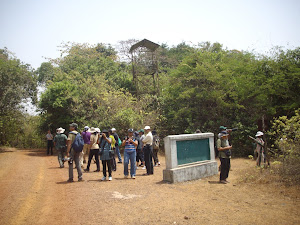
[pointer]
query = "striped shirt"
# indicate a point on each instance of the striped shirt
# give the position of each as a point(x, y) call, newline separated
point(129, 147)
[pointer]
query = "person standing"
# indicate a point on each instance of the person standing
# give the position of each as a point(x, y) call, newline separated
point(139, 149)
point(106, 155)
point(113, 148)
point(86, 135)
point(49, 137)
point(74, 156)
point(94, 150)
point(260, 148)
point(155, 145)
point(224, 154)
point(148, 151)
point(130, 144)
point(117, 144)
point(60, 141)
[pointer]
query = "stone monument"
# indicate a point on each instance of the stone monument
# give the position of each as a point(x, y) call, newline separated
point(189, 157)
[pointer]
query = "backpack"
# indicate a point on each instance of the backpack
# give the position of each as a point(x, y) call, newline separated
point(78, 142)
point(119, 142)
point(156, 143)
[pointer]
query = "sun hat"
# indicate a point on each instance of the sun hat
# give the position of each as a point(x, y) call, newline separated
point(259, 133)
point(147, 128)
point(86, 128)
point(105, 131)
point(93, 130)
point(141, 130)
point(98, 129)
point(113, 129)
point(60, 130)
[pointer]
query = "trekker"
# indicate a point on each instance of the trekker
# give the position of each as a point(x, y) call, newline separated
point(86, 135)
point(60, 141)
point(74, 155)
point(260, 148)
point(148, 151)
point(49, 137)
point(130, 144)
point(139, 149)
point(155, 145)
point(106, 154)
point(113, 147)
point(224, 154)
point(94, 150)
point(117, 144)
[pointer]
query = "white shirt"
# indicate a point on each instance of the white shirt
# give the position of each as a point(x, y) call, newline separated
point(148, 139)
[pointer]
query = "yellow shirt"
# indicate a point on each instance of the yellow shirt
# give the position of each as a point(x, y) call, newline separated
point(113, 141)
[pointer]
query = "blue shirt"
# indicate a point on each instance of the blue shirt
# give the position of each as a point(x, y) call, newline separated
point(129, 147)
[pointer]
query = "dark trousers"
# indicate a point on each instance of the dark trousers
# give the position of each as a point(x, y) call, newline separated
point(114, 164)
point(148, 159)
point(139, 155)
point(93, 152)
point(108, 163)
point(155, 157)
point(225, 166)
point(50, 147)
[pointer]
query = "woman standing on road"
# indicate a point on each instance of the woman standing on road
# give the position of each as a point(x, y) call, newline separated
point(94, 150)
point(106, 154)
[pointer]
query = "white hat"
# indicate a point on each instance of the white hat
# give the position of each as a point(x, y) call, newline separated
point(86, 127)
point(259, 133)
point(60, 130)
point(113, 129)
point(92, 130)
point(147, 128)
point(98, 129)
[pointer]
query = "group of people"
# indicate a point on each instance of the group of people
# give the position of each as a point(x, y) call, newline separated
point(139, 147)
point(224, 149)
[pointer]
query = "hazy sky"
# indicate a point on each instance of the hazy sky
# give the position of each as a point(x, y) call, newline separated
point(34, 28)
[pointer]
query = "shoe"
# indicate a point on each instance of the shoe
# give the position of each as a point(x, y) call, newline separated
point(126, 176)
point(62, 166)
point(70, 180)
point(133, 177)
point(110, 178)
point(120, 162)
point(145, 174)
point(80, 179)
point(227, 181)
point(84, 161)
point(86, 170)
point(103, 178)
point(144, 168)
point(155, 165)
point(223, 182)
point(97, 171)
point(158, 163)
point(141, 165)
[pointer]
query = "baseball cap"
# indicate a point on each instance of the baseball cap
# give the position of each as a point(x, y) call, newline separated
point(113, 129)
point(130, 130)
point(222, 128)
point(147, 128)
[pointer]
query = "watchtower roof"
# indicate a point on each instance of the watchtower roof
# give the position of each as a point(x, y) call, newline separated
point(145, 43)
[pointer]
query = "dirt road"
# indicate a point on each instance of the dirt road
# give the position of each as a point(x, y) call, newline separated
point(34, 191)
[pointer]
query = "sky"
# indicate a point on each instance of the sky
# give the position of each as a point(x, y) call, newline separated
point(33, 29)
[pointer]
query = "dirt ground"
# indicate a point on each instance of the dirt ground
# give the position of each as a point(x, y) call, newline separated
point(34, 191)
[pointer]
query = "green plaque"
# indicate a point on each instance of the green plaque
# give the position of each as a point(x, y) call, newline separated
point(192, 151)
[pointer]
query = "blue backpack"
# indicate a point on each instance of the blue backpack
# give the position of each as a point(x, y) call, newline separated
point(78, 142)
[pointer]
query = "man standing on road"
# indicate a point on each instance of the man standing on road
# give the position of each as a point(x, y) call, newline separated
point(148, 151)
point(73, 154)
point(117, 144)
point(130, 153)
point(49, 137)
point(60, 141)
point(224, 154)
point(86, 135)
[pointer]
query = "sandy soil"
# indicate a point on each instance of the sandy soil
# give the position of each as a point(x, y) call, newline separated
point(34, 191)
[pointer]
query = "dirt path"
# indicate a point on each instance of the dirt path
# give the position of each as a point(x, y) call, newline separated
point(34, 191)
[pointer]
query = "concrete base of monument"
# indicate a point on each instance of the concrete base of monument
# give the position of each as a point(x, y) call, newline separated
point(192, 171)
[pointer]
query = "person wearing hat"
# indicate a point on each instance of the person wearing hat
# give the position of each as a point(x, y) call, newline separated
point(86, 136)
point(106, 154)
point(94, 149)
point(130, 144)
point(224, 154)
point(259, 148)
point(60, 141)
point(139, 149)
point(72, 154)
point(117, 147)
point(148, 151)
point(113, 148)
